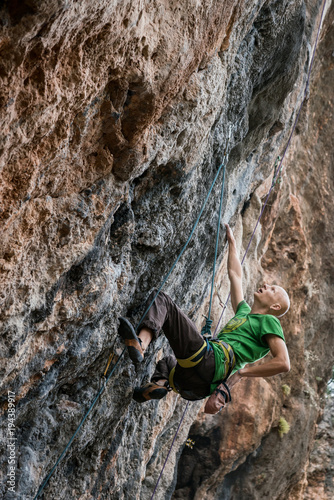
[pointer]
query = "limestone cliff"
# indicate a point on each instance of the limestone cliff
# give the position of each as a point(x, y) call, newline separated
point(320, 471)
point(114, 119)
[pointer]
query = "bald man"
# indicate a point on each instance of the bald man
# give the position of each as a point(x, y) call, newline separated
point(270, 303)
point(200, 366)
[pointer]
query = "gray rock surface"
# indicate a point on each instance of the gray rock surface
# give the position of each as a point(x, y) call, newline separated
point(114, 120)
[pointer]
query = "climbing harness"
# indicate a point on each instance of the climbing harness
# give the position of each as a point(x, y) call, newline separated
point(196, 358)
point(190, 362)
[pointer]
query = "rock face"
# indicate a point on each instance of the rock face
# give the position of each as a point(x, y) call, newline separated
point(114, 119)
point(320, 472)
point(252, 460)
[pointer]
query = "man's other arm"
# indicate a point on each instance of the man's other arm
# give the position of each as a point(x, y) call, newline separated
point(234, 270)
point(279, 363)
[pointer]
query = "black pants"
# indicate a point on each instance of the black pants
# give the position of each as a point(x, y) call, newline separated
point(185, 340)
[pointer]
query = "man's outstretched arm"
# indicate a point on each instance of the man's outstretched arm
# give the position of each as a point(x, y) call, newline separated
point(279, 363)
point(234, 270)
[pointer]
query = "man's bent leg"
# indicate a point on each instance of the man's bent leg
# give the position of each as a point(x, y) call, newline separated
point(163, 369)
point(157, 388)
point(183, 336)
point(150, 327)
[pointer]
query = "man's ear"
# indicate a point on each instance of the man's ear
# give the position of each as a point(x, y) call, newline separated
point(276, 307)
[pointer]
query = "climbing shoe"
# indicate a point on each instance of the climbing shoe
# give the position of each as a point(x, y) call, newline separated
point(133, 343)
point(148, 392)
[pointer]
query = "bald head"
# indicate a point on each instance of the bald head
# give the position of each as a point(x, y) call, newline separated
point(284, 302)
point(271, 299)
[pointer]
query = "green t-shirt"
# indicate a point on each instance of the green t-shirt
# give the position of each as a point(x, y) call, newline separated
point(244, 332)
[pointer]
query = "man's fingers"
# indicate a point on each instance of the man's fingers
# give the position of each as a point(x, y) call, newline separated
point(229, 233)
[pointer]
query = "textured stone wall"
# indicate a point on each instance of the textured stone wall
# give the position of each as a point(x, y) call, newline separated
point(320, 471)
point(114, 119)
point(252, 460)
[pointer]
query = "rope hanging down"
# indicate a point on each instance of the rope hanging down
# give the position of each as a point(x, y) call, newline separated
point(223, 164)
point(106, 379)
point(170, 449)
point(206, 330)
point(276, 174)
point(77, 430)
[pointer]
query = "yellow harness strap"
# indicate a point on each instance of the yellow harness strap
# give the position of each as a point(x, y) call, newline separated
point(229, 356)
point(194, 359)
point(171, 380)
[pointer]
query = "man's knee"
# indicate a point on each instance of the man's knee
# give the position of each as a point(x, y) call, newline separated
point(163, 368)
point(160, 297)
point(159, 293)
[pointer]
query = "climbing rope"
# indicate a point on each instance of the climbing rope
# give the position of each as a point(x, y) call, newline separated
point(78, 429)
point(170, 449)
point(106, 379)
point(276, 174)
point(222, 165)
point(206, 330)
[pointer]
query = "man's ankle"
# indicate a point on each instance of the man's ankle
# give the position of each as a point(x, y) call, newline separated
point(161, 382)
point(145, 335)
